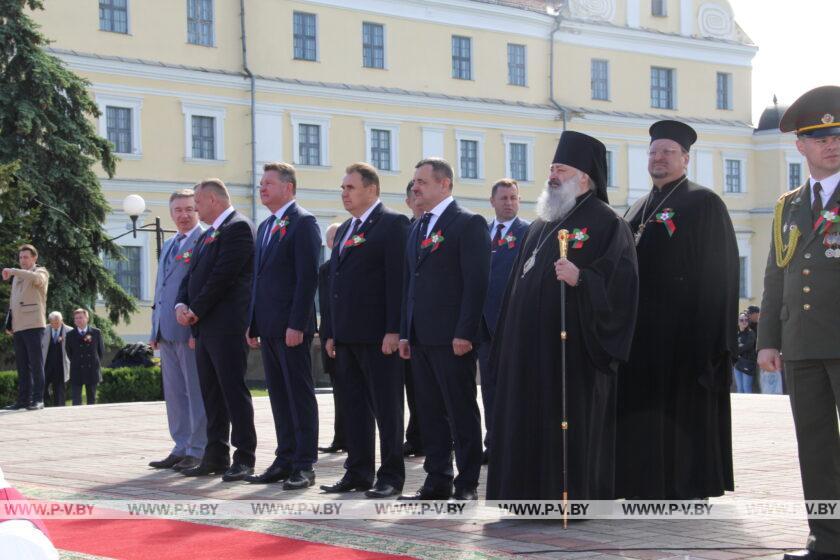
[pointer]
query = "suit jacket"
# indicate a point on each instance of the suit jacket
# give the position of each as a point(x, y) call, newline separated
point(167, 284)
point(286, 276)
point(85, 353)
point(28, 300)
point(366, 279)
point(324, 304)
point(217, 286)
point(800, 310)
point(501, 262)
point(45, 345)
point(445, 287)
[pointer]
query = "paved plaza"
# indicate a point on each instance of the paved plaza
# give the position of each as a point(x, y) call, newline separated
point(101, 452)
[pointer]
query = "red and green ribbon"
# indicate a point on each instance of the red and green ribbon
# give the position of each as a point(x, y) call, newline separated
point(509, 240)
point(281, 227)
point(827, 219)
point(579, 236)
point(356, 240)
point(667, 217)
point(435, 240)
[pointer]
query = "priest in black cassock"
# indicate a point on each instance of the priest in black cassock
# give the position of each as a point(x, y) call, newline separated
point(601, 278)
point(674, 425)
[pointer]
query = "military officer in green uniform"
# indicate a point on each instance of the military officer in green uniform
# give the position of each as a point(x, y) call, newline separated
point(800, 311)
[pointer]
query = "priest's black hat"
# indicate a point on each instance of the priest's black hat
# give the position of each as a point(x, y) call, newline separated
point(586, 154)
point(815, 114)
point(677, 131)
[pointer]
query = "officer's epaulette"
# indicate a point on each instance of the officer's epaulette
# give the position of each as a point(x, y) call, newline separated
point(790, 193)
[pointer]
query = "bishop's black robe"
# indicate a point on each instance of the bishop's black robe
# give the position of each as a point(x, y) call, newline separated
point(674, 425)
point(527, 458)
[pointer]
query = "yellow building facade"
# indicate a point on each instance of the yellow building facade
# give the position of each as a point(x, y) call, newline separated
point(487, 84)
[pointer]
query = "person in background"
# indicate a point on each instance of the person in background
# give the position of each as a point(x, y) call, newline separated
point(413, 440)
point(85, 348)
point(56, 364)
point(744, 370)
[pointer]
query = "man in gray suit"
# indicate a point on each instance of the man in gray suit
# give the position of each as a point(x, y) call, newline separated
point(182, 392)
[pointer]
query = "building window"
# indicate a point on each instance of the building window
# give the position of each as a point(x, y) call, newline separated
point(200, 22)
point(661, 88)
point(113, 15)
point(610, 169)
point(306, 36)
point(203, 137)
point(461, 58)
point(309, 145)
point(373, 45)
point(516, 65)
point(794, 175)
point(724, 91)
point(743, 276)
point(519, 161)
point(659, 8)
point(600, 79)
point(380, 149)
point(469, 159)
point(118, 127)
point(733, 175)
point(127, 272)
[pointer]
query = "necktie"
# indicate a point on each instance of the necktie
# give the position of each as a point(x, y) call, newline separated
point(55, 336)
point(357, 223)
point(173, 249)
point(424, 226)
point(498, 237)
point(817, 206)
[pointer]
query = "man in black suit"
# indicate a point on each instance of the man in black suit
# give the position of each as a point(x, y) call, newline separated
point(282, 325)
point(413, 440)
point(213, 299)
point(337, 445)
point(363, 334)
point(85, 348)
point(506, 233)
point(56, 363)
point(447, 271)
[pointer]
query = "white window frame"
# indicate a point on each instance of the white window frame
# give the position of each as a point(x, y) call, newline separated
point(591, 89)
point(127, 20)
point(324, 123)
point(362, 37)
point(476, 137)
point(803, 169)
point(529, 141)
point(116, 224)
point(394, 129)
point(103, 101)
point(729, 91)
point(472, 57)
point(213, 38)
point(745, 250)
point(612, 150)
point(524, 62)
point(735, 156)
point(191, 110)
point(317, 37)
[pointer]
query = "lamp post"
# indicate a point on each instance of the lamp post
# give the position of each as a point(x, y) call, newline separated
point(134, 205)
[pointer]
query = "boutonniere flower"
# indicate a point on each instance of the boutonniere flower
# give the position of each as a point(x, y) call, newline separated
point(667, 217)
point(434, 240)
point(212, 237)
point(185, 257)
point(281, 227)
point(579, 236)
point(827, 219)
point(356, 240)
point(87, 339)
point(509, 240)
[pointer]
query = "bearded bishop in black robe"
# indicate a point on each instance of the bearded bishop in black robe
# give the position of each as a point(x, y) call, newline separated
point(600, 309)
point(674, 425)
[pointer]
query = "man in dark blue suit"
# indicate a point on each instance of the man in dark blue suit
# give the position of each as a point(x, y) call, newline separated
point(413, 440)
point(506, 232)
point(362, 332)
point(213, 299)
point(282, 325)
point(447, 272)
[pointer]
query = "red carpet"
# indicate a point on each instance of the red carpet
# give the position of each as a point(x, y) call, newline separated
point(162, 539)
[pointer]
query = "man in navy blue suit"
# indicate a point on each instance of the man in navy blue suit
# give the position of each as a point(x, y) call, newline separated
point(362, 333)
point(282, 325)
point(213, 300)
point(447, 271)
point(506, 233)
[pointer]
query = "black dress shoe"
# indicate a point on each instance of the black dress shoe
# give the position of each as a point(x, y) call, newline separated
point(170, 461)
point(237, 471)
point(381, 491)
point(333, 448)
point(465, 494)
point(271, 475)
point(300, 480)
point(409, 450)
point(206, 469)
point(345, 485)
point(16, 406)
point(428, 494)
point(810, 555)
point(187, 462)
point(36, 406)
point(485, 458)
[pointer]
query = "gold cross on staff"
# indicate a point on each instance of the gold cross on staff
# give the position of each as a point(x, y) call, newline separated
point(563, 238)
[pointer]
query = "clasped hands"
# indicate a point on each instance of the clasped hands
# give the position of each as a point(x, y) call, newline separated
point(185, 316)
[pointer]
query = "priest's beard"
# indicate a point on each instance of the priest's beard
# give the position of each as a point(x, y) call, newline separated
point(557, 199)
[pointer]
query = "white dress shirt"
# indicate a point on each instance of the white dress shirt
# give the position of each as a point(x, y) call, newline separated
point(217, 223)
point(437, 211)
point(365, 215)
point(505, 229)
point(829, 184)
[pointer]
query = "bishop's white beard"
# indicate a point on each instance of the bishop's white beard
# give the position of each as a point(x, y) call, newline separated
point(555, 202)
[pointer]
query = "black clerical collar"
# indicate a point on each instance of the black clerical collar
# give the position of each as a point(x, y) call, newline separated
point(668, 187)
